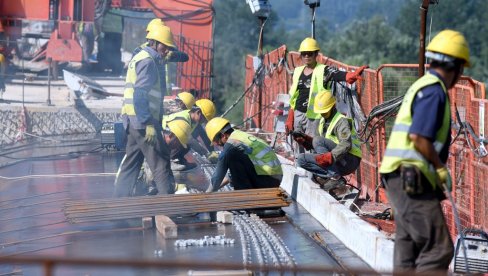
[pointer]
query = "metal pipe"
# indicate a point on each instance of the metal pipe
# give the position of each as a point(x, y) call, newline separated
point(423, 18)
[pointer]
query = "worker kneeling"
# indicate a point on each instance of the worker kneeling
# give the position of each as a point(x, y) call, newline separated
point(251, 161)
point(338, 150)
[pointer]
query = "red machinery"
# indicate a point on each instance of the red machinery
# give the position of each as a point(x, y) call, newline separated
point(190, 20)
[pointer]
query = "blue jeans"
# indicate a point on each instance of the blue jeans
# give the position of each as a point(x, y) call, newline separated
point(346, 165)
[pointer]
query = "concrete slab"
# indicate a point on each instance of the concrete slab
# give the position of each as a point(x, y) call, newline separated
point(366, 241)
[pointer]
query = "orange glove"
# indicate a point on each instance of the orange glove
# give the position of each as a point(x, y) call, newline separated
point(289, 121)
point(324, 160)
point(304, 140)
point(352, 77)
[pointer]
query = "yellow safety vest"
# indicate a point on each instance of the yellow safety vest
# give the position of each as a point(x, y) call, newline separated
point(400, 149)
point(329, 134)
point(316, 85)
point(155, 97)
point(262, 156)
point(182, 115)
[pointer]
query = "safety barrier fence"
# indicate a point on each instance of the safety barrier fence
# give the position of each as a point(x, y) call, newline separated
point(469, 168)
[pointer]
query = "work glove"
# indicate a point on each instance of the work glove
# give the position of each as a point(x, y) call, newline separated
point(324, 160)
point(304, 140)
point(289, 121)
point(352, 77)
point(445, 178)
point(150, 135)
point(213, 157)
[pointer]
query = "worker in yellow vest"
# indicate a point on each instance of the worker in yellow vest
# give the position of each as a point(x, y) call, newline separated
point(414, 169)
point(337, 147)
point(182, 101)
point(252, 163)
point(199, 114)
point(308, 80)
point(142, 113)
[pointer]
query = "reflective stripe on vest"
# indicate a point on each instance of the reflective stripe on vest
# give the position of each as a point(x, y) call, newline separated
point(400, 149)
point(262, 156)
point(155, 97)
point(329, 134)
point(316, 85)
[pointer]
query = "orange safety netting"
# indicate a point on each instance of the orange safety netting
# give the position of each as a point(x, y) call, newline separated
point(470, 173)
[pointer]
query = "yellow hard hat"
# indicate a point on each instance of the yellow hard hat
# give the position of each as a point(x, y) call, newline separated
point(187, 98)
point(181, 129)
point(451, 44)
point(214, 126)
point(156, 22)
point(324, 102)
point(207, 107)
point(309, 45)
point(2, 58)
point(162, 34)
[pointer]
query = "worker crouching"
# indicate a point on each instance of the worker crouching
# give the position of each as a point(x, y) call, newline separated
point(251, 161)
point(337, 148)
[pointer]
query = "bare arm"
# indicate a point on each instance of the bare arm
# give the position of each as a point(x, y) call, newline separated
point(425, 147)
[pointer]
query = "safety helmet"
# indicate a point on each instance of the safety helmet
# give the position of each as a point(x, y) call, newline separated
point(187, 98)
point(2, 58)
point(447, 46)
point(207, 107)
point(309, 45)
point(162, 34)
point(181, 129)
point(156, 22)
point(324, 102)
point(215, 126)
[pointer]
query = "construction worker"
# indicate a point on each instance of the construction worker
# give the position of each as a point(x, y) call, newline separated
point(182, 101)
point(414, 168)
point(142, 113)
point(110, 42)
point(308, 80)
point(337, 147)
point(174, 55)
point(251, 161)
point(199, 114)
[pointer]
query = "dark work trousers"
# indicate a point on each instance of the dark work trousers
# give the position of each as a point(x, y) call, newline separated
point(109, 54)
point(348, 164)
point(244, 176)
point(422, 241)
point(157, 157)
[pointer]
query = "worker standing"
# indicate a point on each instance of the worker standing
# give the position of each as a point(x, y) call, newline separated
point(110, 42)
point(414, 168)
point(142, 113)
point(3, 70)
point(251, 161)
point(337, 147)
point(308, 80)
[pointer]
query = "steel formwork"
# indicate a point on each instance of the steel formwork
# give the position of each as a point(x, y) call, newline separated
point(470, 172)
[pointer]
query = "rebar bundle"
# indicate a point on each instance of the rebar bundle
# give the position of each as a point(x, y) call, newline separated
point(146, 206)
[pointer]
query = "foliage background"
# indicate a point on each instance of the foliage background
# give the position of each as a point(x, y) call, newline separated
point(370, 32)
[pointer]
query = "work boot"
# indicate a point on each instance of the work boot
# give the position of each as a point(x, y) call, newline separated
point(152, 190)
point(332, 183)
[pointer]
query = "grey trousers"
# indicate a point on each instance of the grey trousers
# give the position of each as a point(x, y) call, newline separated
point(157, 158)
point(348, 164)
point(422, 240)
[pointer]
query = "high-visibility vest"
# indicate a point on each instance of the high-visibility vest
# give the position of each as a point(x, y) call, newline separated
point(329, 134)
point(155, 97)
point(182, 115)
point(400, 149)
point(262, 156)
point(316, 85)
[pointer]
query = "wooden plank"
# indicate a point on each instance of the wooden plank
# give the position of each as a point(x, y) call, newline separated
point(166, 227)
